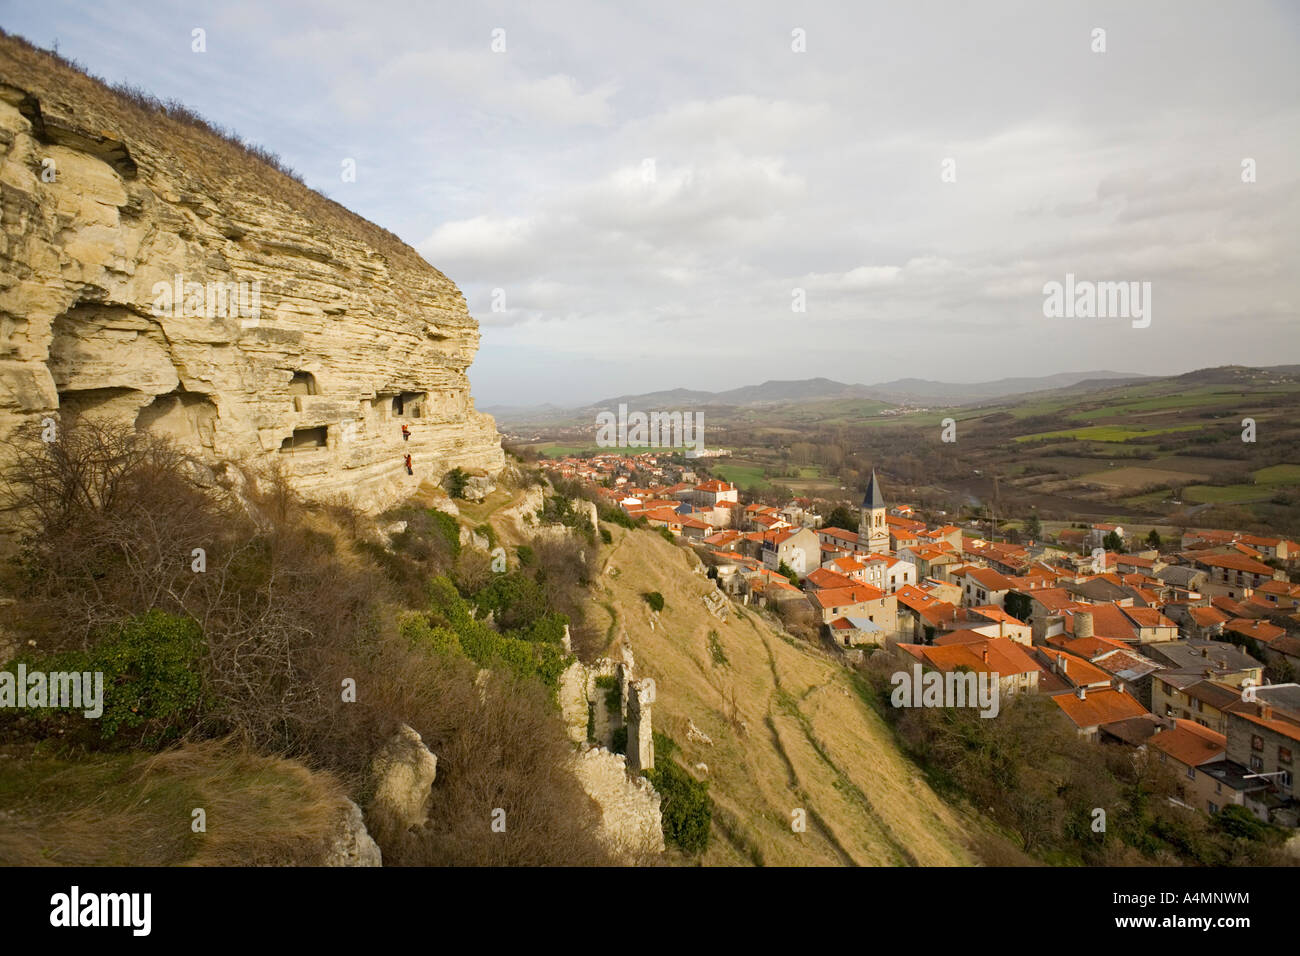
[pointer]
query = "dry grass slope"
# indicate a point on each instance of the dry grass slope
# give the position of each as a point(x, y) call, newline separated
point(788, 729)
point(136, 810)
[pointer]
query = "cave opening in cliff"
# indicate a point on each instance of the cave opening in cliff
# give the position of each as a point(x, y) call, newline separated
point(306, 439)
point(303, 383)
point(104, 402)
point(186, 416)
point(408, 404)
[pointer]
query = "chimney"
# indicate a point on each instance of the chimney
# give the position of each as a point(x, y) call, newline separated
point(986, 653)
point(1002, 628)
point(1265, 710)
point(1083, 624)
point(1063, 663)
point(1081, 692)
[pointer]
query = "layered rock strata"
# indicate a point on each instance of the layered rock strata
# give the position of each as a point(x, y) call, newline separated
point(154, 272)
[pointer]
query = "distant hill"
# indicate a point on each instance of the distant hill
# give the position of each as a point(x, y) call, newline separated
point(906, 391)
point(917, 391)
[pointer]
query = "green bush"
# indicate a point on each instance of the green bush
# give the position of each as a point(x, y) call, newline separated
point(153, 688)
point(619, 742)
point(605, 536)
point(655, 600)
point(542, 659)
point(426, 528)
point(715, 649)
point(456, 481)
point(547, 629)
point(613, 692)
point(489, 532)
point(788, 571)
point(516, 599)
point(417, 628)
point(1237, 821)
point(686, 808)
point(668, 535)
point(616, 515)
point(152, 676)
point(665, 747)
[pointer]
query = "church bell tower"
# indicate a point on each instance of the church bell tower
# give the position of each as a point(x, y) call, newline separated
point(873, 532)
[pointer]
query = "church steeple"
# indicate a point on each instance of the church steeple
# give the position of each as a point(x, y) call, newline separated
point(873, 498)
point(873, 530)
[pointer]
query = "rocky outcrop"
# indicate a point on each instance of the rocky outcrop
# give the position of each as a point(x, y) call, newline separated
point(402, 773)
point(352, 845)
point(154, 272)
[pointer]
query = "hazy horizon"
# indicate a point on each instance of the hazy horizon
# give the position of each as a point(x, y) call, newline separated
point(647, 188)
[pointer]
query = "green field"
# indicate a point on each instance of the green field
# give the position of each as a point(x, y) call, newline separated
point(1200, 398)
point(1111, 433)
point(1226, 494)
point(745, 477)
point(555, 450)
point(1278, 475)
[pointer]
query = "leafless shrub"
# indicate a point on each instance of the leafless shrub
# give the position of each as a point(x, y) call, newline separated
point(507, 752)
point(799, 619)
point(290, 611)
point(109, 518)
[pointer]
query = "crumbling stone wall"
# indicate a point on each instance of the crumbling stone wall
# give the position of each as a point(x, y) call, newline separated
point(631, 825)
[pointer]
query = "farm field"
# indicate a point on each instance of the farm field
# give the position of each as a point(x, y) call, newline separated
point(1108, 433)
point(745, 476)
point(1278, 475)
point(1226, 494)
point(1138, 476)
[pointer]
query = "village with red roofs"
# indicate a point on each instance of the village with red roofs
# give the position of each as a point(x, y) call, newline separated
point(1189, 649)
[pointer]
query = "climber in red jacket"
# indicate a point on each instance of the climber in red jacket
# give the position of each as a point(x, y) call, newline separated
point(406, 432)
point(409, 470)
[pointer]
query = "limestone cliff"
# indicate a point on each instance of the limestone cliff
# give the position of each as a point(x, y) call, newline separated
point(155, 271)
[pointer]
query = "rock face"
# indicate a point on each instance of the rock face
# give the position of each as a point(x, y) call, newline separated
point(403, 771)
point(154, 272)
point(352, 844)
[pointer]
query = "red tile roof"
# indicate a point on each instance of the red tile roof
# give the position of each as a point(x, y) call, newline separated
point(840, 597)
point(989, 655)
point(1100, 706)
point(1190, 743)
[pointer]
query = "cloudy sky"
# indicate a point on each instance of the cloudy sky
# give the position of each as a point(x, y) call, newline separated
point(630, 194)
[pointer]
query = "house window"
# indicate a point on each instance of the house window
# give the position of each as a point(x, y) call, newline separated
point(1191, 773)
point(1283, 754)
point(1164, 757)
point(1214, 807)
point(1285, 779)
point(1218, 788)
point(1256, 763)
point(1256, 742)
